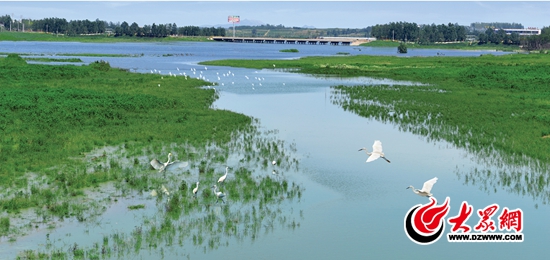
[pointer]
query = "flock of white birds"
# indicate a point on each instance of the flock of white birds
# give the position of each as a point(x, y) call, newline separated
point(374, 155)
point(220, 79)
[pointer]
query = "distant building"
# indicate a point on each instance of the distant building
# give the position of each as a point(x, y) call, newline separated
point(522, 32)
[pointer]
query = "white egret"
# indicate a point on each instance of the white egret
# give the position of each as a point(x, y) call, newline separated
point(274, 162)
point(426, 189)
point(219, 194)
point(164, 190)
point(195, 190)
point(161, 166)
point(222, 179)
point(376, 152)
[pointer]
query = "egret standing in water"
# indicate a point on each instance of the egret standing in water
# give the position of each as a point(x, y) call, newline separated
point(161, 166)
point(222, 179)
point(426, 189)
point(219, 194)
point(195, 190)
point(376, 152)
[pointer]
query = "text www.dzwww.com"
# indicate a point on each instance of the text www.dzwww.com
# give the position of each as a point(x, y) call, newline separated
point(486, 237)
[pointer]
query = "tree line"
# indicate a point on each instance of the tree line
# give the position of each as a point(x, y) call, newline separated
point(537, 42)
point(492, 34)
point(163, 30)
point(80, 27)
point(412, 32)
point(6, 21)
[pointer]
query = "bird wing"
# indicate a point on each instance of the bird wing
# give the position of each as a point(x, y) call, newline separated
point(373, 157)
point(156, 164)
point(428, 185)
point(174, 166)
point(377, 147)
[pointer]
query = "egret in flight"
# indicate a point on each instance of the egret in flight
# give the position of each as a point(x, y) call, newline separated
point(219, 194)
point(425, 191)
point(168, 165)
point(195, 190)
point(222, 179)
point(376, 152)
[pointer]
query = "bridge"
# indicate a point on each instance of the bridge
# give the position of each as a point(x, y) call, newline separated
point(318, 41)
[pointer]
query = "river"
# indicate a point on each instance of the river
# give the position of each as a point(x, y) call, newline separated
point(349, 209)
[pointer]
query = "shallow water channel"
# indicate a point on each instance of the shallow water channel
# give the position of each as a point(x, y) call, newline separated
point(346, 208)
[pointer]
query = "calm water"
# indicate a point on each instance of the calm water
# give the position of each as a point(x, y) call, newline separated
point(350, 209)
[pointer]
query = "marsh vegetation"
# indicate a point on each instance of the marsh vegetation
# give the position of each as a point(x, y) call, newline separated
point(77, 139)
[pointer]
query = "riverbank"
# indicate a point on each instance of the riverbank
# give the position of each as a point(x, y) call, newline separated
point(445, 46)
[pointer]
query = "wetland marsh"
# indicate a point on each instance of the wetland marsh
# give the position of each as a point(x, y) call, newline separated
point(86, 191)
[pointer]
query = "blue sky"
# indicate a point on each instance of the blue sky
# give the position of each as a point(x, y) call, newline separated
point(320, 14)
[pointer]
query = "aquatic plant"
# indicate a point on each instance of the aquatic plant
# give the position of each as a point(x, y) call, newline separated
point(289, 50)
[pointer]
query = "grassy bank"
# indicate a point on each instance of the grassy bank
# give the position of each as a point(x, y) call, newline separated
point(50, 115)
point(484, 103)
point(49, 37)
point(448, 46)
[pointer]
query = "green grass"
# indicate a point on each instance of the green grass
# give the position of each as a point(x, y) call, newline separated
point(51, 115)
point(453, 46)
point(26, 36)
point(138, 206)
point(53, 59)
point(289, 50)
point(486, 103)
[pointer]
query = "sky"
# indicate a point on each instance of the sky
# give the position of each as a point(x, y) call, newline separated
point(319, 14)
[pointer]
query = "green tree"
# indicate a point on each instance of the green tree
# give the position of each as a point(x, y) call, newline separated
point(402, 48)
point(134, 28)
